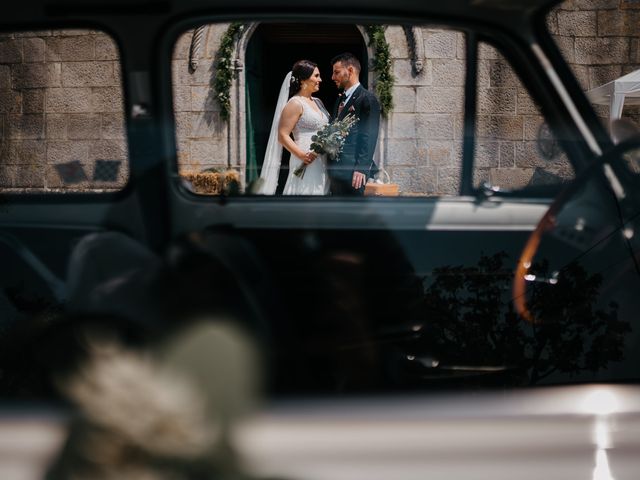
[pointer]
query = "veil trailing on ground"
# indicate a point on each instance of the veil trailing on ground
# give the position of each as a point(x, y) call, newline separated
point(273, 155)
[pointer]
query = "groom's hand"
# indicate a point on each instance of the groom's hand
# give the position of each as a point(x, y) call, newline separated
point(359, 179)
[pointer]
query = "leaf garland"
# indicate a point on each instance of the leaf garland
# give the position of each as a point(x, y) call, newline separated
point(224, 69)
point(382, 66)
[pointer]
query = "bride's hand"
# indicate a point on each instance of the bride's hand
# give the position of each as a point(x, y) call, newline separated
point(309, 157)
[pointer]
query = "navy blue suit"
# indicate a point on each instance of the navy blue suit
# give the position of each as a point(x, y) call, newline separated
point(360, 145)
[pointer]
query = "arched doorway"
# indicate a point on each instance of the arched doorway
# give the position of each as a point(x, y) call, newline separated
point(271, 51)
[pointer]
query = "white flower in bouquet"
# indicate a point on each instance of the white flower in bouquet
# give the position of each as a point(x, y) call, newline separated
point(329, 140)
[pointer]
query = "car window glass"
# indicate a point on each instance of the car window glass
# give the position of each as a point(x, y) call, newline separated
point(515, 150)
point(61, 112)
point(601, 43)
point(226, 82)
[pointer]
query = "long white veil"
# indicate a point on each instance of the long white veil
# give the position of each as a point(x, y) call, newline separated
point(273, 156)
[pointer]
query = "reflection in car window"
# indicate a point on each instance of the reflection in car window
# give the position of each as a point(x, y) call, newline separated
point(226, 86)
point(601, 43)
point(62, 112)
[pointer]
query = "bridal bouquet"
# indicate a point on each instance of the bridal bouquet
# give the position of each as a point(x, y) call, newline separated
point(329, 140)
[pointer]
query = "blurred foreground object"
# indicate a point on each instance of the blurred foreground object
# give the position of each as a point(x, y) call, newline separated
point(164, 414)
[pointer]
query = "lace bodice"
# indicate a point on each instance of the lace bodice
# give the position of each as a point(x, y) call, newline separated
point(310, 121)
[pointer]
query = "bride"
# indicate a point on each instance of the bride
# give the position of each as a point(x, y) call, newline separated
point(297, 112)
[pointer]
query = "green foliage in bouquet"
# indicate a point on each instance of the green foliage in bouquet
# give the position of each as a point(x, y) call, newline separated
point(382, 67)
point(329, 140)
point(224, 69)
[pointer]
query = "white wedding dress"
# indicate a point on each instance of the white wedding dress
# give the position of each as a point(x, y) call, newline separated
point(315, 180)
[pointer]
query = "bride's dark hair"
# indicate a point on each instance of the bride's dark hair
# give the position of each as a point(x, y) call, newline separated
point(301, 70)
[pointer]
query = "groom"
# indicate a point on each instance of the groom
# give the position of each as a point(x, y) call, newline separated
point(349, 172)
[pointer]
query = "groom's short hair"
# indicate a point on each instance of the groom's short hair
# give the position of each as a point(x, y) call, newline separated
point(348, 60)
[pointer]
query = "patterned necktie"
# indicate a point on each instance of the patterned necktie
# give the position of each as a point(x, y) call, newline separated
point(341, 106)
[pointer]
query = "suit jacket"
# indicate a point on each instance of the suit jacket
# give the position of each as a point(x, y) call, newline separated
point(359, 147)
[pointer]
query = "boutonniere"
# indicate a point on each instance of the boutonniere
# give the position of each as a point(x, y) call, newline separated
point(352, 109)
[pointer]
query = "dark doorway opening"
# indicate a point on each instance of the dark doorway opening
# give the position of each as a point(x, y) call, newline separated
point(271, 52)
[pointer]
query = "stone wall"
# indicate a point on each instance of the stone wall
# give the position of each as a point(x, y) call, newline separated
point(60, 107)
point(601, 41)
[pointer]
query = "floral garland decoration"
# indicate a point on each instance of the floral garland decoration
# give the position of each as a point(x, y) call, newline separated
point(382, 66)
point(224, 69)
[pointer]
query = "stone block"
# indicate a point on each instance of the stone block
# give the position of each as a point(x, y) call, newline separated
point(487, 154)
point(502, 75)
point(71, 32)
point(511, 178)
point(525, 104)
point(36, 33)
point(403, 125)
point(108, 150)
point(5, 77)
point(21, 152)
point(404, 99)
point(448, 181)
point(106, 48)
point(33, 49)
point(68, 100)
point(597, 4)
point(634, 53)
point(461, 47)
point(29, 176)
point(440, 154)
point(7, 172)
point(402, 152)
point(566, 45)
point(183, 45)
point(577, 24)
point(601, 74)
point(214, 36)
point(88, 74)
point(397, 40)
point(601, 51)
point(493, 101)
point(71, 48)
point(10, 101)
point(207, 152)
point(33, 100)
point(448, 73)
point(422, 180)
point(107, 100)
point(440, 99)
point(404, 75)
point(183, 124)
point(434, 127)
point(83, 126)
point(552, 22)
point(203, 99)
point(182, 98)
point(581, 73)
point(532, 124)
point(29, 75)
point(528, 155)
point(499, 127)
point(54, 72)
point(113, 127)
point(62, 151)
point(10, 51)
point(19, 126)
point(55, 126)
point(203, 125)
point(440, 44)
point(618, 23)
point(181, 76)
point(507, 155)
point(488, 52)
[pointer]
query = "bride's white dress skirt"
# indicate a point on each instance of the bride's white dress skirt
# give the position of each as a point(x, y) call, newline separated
point(315, 180)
